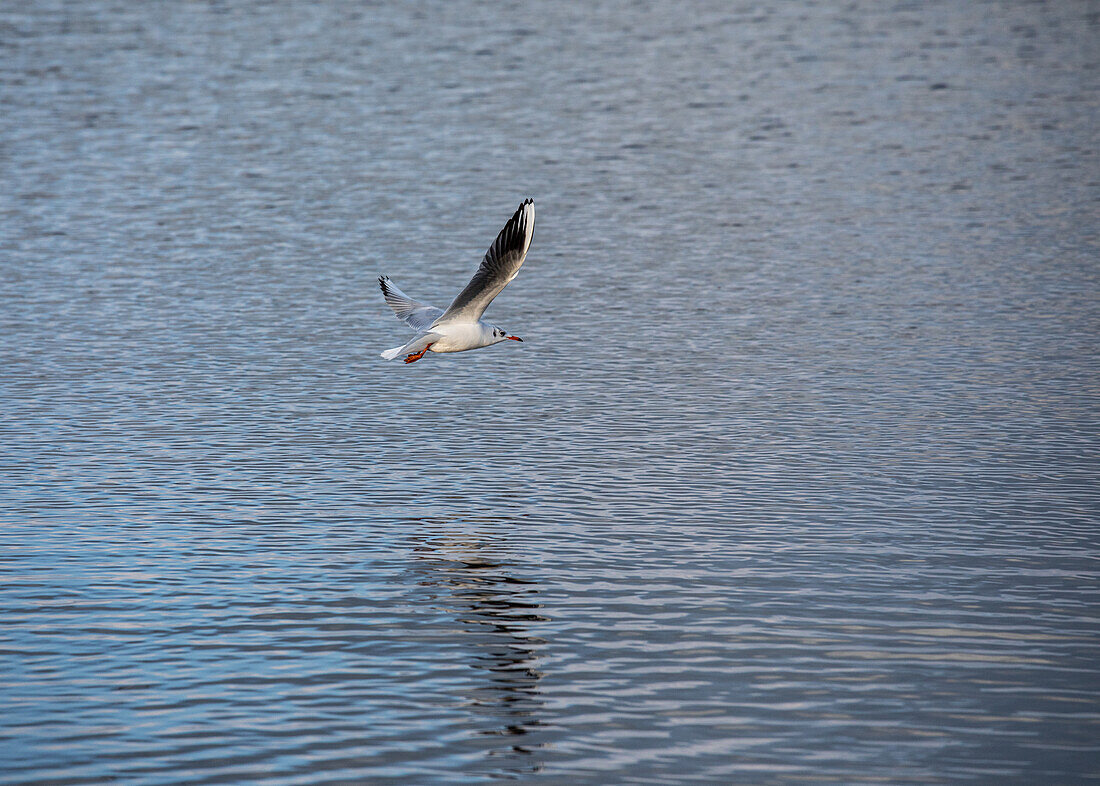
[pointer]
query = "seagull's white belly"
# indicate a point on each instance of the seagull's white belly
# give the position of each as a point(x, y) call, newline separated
point(459, 337)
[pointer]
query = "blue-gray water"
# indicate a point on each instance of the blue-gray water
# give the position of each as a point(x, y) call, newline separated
point(794, 479)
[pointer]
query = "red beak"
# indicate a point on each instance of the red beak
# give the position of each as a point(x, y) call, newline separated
point(515, 338)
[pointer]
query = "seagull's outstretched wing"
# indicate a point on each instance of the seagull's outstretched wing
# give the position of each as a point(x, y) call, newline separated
point(419, 316)
point(502, 261)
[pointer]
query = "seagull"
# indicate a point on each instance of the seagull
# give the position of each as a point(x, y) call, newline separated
point(460, 327)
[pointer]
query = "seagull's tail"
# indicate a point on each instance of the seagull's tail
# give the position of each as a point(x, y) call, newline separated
point(420, 341)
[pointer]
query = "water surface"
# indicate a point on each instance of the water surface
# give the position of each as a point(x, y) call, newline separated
point(793, 480)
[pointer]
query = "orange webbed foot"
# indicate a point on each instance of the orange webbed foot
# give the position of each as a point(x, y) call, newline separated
point(417, 355)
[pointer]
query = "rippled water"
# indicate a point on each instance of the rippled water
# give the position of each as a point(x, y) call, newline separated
point(794, 478)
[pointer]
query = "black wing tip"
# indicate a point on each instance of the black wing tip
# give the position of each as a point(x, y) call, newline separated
point(382, 281)
point(518, 215)
point(512, 234)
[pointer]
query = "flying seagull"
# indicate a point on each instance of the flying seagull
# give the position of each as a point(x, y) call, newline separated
point(460, 327)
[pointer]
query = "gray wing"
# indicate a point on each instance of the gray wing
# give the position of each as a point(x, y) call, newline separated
point(419, 316)
point(502, 261)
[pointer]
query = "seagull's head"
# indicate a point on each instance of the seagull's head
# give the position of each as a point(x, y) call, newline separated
point(500, 334)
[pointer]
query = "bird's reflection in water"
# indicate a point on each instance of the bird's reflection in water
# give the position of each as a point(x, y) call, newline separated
point(499, 610)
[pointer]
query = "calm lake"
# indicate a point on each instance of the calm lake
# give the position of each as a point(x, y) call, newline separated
point(795, 478)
